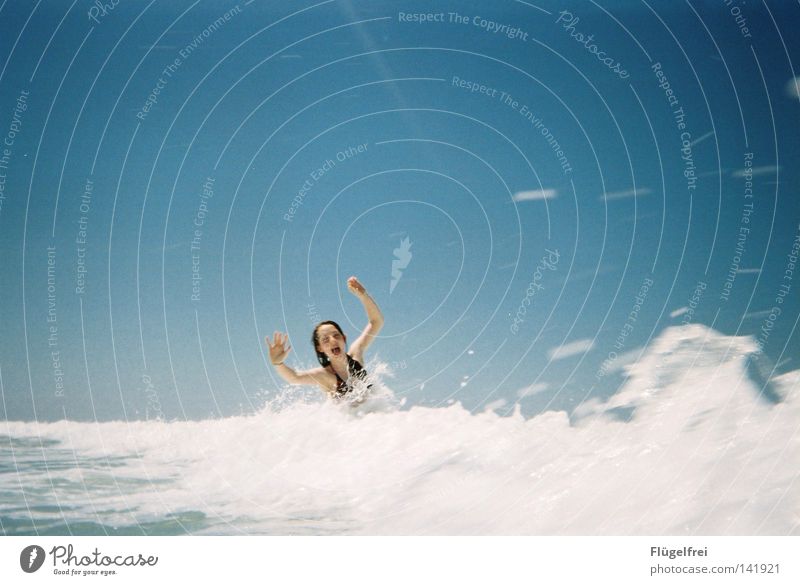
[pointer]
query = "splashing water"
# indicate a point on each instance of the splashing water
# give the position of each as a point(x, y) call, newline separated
point(689, 445)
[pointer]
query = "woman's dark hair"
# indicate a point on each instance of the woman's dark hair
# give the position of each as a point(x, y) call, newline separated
point(321, 357)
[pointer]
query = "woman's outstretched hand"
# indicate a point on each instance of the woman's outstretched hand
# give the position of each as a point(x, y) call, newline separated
point(277, 351)
point(355, 287)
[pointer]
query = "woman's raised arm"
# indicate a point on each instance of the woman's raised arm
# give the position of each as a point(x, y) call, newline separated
point(374, 315)
point(278, 351)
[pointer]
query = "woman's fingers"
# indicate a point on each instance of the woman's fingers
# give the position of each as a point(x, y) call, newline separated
point(278, 339)
point(354, 285)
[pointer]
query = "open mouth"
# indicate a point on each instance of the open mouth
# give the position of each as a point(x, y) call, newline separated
point(336, 350)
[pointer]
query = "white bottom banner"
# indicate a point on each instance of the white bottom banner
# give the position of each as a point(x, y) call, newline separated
point(341, 559)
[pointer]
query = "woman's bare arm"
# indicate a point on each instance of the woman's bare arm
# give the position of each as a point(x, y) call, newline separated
point(374, 315)
point(316, 376)
point(278, 351)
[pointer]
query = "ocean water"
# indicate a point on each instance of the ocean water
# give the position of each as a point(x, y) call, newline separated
point(698, 440)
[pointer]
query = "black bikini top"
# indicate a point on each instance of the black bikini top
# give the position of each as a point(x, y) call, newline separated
point(355, 370)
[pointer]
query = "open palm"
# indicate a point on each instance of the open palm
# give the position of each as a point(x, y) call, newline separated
point(279, 348)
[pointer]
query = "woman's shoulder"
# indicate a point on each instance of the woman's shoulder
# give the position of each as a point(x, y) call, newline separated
point(329, 379)
point(322, 375)
point(357, 356)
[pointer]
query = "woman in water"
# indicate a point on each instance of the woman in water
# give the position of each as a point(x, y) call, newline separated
point(330, 343)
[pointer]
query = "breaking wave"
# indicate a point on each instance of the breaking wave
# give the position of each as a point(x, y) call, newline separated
point(695, 442)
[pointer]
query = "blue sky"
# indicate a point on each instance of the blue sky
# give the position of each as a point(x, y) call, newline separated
point(259, 102)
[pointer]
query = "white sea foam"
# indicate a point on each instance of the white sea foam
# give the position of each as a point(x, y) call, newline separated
point(687, 446)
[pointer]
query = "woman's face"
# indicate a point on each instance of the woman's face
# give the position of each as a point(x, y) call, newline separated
point(331, 342)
